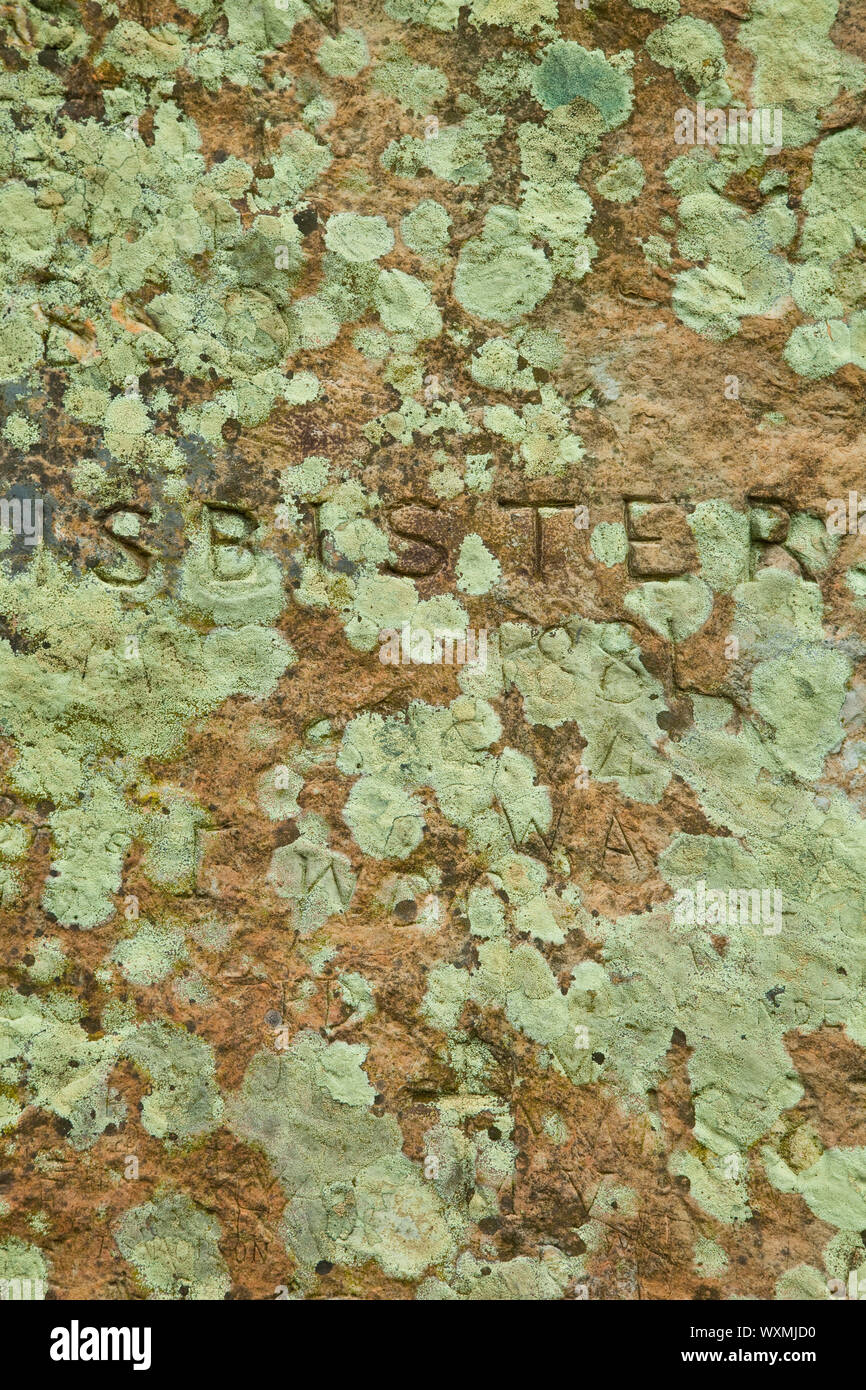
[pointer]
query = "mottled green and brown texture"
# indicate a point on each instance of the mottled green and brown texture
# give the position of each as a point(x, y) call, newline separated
point(327, 978)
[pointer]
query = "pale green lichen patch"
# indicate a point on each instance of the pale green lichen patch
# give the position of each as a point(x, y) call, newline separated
point(799, 682)
point(94, 681)
point(695, 51)
point(523, 1278)
point(477, 570)
point(416, 86)
point(494, 798)
point(385, 820)
point(834, 1187)
point(540, 435)
point(500, 275)
point(797, 65)
point(357, 995)
point(19, 1261)
point(425, 230)
point(184, 1100)
point(457, 154)
point(352, 1194)
point(358, 239)
point(316, 879)
point(592, 674)
point(657, 250)
point(278, 789)
point(20, 432)
point(49, 960)
point(743, 274)
point(674, 608)
point(173, 1245)
point(823, 286)
point(151, 953)
point(622, 181)
point(67, 1072)
point(710, 1259)
point(810, 541)
point(722, 537)
point(14, 843)
point(609, 543)
point(343, 55)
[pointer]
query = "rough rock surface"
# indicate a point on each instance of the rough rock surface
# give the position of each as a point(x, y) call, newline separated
point(432, 633)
